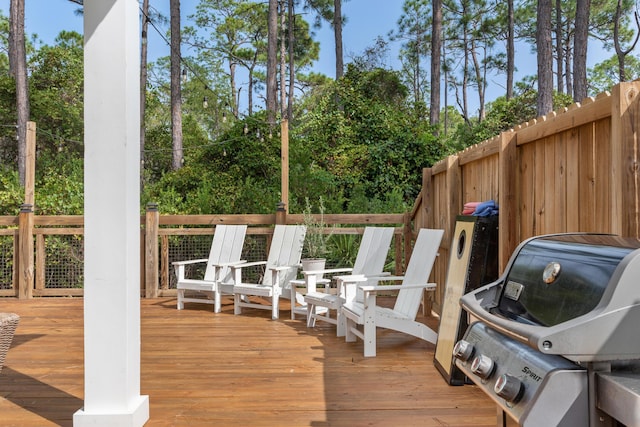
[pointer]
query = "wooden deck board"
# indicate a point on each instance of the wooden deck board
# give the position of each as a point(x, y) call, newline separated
point(201, 369)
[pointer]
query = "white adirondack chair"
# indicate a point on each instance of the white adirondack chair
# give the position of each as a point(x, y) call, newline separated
point(402, 317)
point(280, 268)
point(370, 260)
point(226, 249)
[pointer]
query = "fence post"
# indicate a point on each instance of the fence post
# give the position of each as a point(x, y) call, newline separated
point(281, 213)
point(625, 143)
point(25, 242)
point(427, 191)
point(507, 201)
point(30, 165)
point(151, 262)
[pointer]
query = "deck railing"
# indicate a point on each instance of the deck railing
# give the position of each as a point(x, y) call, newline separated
point(44, 255)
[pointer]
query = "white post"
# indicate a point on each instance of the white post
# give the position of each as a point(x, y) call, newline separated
point(112, 217)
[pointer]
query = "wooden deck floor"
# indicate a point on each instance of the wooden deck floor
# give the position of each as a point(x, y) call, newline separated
point(201, 369)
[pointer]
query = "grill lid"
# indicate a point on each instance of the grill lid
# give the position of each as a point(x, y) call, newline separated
point(575, 295)
point(560, 277)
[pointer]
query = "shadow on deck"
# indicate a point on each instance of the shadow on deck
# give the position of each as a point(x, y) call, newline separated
point(202, 369)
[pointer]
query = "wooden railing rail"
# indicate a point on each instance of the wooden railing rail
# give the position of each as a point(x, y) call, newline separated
point(31, 233)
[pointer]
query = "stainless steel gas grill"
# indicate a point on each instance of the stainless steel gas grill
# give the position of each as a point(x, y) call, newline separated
point(556, 340)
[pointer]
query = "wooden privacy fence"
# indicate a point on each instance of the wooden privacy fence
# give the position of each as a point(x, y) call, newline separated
point(44, 255)
point(575, 170)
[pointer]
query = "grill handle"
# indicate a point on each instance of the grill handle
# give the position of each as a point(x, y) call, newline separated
point(479, 302)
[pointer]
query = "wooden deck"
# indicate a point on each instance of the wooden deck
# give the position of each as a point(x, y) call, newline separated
point(203, 369)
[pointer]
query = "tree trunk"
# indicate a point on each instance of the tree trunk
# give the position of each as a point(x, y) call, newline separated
point(580, 50)
point(272, 62)
point(465, 71)
point(545, 58)
point(436, 47)
point(621, 53)
point(18, 69)
point(176, 93)
point(232, 83)
point(337, 33)
point(479, 79)
point(283, 60)
point(292, 68)
point(559, 47)
point(511, 48)
point(143, 84)
point(568, 75)
point(250, 85)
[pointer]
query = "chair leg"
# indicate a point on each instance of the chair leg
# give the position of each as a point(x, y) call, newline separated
point(275, 308)
point(217, 304)
point(340, 323)
point(369, 333)
point(236, 304)
point(349, 335)
point(180, 299)
point(311, 315)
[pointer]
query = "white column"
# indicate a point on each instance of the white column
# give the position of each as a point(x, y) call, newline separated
point(112, 217)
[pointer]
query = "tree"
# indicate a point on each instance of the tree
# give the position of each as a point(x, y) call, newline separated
point(580, 50)
point(283, 59)
point(233, 32)
point(436, 63)
point(176, 93)
point(337, 35)
point(511, 49)
point(18, 70)
point(272, 62)
point(621, 53)
point(414, 31)
point(606, 74)
point(143, 81)
point(331, 11)
point(544, 57)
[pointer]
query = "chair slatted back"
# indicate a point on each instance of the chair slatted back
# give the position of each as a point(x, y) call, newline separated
point(226, 247)
point(285, 249)
point(372, 255)
point(418, 271)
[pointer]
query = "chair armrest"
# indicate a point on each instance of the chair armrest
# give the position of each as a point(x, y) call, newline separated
point(231, 263)
point(386, 278)
point(247, 264)
point(282, 267)
point(352, 278)
point(191, 261)
point(371, 288)
point(328, 271)
point(179, 266)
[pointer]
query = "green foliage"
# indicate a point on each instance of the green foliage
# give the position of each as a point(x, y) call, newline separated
point(502, 115)
point(11, 193)
point(605, 74)
point(59, 186)
point(56, 94)
point(363, 131)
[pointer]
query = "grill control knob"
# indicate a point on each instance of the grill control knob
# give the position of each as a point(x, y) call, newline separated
point(463, 350)
point(482, 366)
point(509, 388)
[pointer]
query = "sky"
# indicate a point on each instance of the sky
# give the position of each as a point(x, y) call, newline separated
point(366, 20)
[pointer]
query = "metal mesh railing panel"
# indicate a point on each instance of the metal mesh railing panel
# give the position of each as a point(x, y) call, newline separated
point(6, 262)
point(64, 261)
